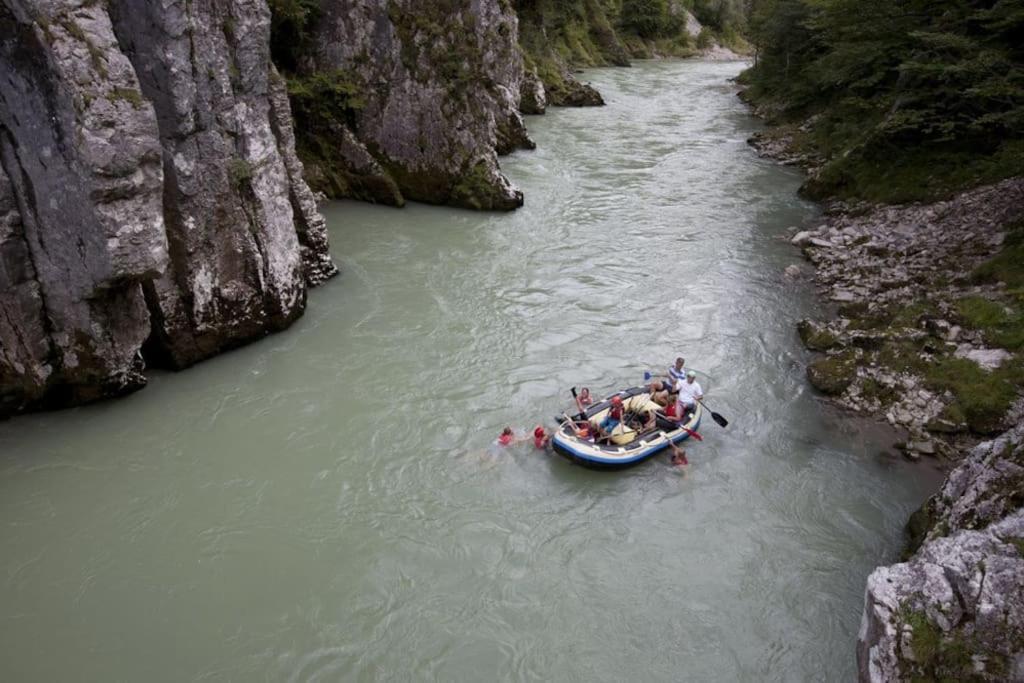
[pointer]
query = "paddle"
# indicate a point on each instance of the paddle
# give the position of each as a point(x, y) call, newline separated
point(722, 422)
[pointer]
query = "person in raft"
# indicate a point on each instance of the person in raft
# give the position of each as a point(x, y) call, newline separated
point(582, 430)
point(689, 393)
point(612, 420)
point(584, 397)
point(660, 391)
point(676, 373)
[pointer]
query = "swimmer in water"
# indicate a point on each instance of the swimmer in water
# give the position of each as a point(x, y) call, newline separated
point(507, 438)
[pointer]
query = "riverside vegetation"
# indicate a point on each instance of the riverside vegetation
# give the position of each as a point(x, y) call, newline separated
point(909, 118)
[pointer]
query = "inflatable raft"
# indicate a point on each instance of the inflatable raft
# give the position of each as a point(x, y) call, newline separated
point(628, 447)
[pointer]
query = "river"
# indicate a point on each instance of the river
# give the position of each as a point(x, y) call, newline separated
point(326, 504)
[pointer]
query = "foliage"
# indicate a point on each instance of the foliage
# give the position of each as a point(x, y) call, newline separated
point(240, 171)
point(129, 95)
point(290, 27)
point(649, 18)
point(324, 96)
point(928, 94)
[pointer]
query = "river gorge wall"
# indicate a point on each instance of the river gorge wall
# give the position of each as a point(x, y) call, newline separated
point(152, 208)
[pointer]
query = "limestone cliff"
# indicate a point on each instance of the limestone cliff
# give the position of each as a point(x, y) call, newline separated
point(955, 610)
point(426, 96)
point(149, 193)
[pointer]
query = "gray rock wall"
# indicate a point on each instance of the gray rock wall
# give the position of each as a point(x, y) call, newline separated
point(148, 190)
point(955, 610)
point(439, 89)
point(82, 226)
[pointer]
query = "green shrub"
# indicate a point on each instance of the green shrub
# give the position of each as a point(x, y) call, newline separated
point(647, 18)
point(291, 23)
point(129, 95)
point(240, 171)
point(909, 101)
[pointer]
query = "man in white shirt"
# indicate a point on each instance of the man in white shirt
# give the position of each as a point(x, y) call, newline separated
point(689, 393)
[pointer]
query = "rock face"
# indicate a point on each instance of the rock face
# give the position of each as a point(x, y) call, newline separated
point(437, 87)
point(148, 191)
point(955, 610)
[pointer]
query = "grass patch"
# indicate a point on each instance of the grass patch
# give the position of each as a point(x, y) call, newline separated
point(129, 95)
point(874, 390)
point(1008, 265)
point(1001, 325)
point(240, 171)
point(983, 396)
point(911, 315)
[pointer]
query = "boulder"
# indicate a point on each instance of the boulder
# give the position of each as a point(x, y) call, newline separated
point(816, 336)
point(989, 359)
point(833, 374)
point(533, 98)
point(955, 609)
point(802, 238)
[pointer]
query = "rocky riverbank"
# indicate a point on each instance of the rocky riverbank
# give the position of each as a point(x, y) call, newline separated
point(955, 610)
point(923, 337)
point(928, 334)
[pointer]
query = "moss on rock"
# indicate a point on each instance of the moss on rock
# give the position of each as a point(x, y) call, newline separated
point(815, 336)
point(833, 374)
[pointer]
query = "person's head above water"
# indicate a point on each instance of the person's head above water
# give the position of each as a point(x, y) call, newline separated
point(539, 432)
point(616, 400)
point(680, 362)
point(507, 431)
point(690, 376)
point(584, 392)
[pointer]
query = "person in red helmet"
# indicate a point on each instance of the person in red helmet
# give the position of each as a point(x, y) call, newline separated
point(613, 419)
point(541, 438)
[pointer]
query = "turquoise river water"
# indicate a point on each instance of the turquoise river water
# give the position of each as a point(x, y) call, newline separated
point(327, 504)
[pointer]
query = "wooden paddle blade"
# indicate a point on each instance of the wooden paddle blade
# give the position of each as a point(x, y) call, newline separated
point(722, 422)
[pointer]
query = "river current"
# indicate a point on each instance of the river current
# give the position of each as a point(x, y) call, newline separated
point(327, 504)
